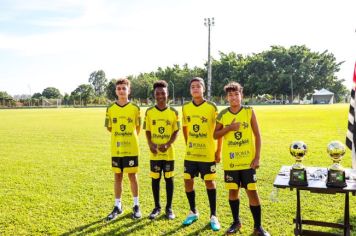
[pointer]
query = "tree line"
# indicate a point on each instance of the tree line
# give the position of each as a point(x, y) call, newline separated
point(276, 72)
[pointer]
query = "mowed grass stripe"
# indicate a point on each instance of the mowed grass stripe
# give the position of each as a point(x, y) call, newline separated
point(56, 177)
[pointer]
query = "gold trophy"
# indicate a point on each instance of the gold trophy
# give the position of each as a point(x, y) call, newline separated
point(336, 173)
point(298, 174)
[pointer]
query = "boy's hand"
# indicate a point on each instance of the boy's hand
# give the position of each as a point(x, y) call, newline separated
point(153, 148)
point(163, 147)
point(234, 126)
point(217, 157)
point(255, 164)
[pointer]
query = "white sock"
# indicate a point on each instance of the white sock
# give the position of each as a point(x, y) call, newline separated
point(118, 202)
point(135, 199)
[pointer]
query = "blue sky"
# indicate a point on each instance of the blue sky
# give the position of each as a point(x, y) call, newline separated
point(59, 43)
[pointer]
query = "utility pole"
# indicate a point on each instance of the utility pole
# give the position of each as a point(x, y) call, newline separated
point(209, 22)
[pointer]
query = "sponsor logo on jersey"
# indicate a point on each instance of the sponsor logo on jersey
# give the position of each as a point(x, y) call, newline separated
point(131, 162)
point(196, 128)
point(122, 127)
point(203, 119)
point(245, 125)
point(238, 135)
point(129, 120)
point(114, 120)
point(123, 134)
point(232, 165)
point(197, 145)
point(238, 143)
point(229, 178)
point(122, 144)
point(168, 167)
point(156, 168)
point(161, 136)
point(198, 135)
point(161, 130)
point(232, 155)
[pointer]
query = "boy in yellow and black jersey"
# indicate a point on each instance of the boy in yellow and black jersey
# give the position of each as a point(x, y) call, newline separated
point(238, 126)
point(199, 117)
point(162, 126)
point(123, 122)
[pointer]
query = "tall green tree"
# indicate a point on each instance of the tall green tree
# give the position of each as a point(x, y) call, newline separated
point(110, 90)
point(51, 92)
point(99, 82)
point(84, 93)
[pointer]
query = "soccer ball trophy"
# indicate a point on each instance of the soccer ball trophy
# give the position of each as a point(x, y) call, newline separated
point(336, 173)
point(298, 174)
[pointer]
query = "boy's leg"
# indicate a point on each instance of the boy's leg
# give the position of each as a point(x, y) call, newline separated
point(211, 190)
point(169, 191)
point(189, 190)
point(118, 186)
point(234, 202)
point(134, 189)
point(255, 206)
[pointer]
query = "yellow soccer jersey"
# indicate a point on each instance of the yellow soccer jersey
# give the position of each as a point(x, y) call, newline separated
point(238, 148)
point(161, 124)
point(123, 121)
point(200, 122)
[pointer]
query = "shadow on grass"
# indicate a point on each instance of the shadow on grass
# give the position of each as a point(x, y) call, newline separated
point(99, 224)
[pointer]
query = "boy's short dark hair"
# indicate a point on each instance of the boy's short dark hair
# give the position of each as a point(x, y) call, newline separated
point(232, 87)
point(200, 80)
point(123, 81)
point(160, 84)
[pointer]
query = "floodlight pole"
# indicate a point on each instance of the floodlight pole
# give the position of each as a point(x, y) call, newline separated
point(209, 22)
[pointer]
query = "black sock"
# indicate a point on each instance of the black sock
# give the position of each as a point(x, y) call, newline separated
point(212, 201)
point(169, 191)
point(191, 199)
point(256, 213)
point(155, 190)
point(235, 209)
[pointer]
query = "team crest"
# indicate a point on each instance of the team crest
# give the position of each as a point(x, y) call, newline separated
point(238, 135)
point(168, 167)
point(213, 168)
point(114, 120)
point(229, 178)
point(122, 127)
point(131, 162)
point(156, 168)
point(114, 163)
point(245, 125)
point(168, 122)
point(188, 118)
point(203, 119)
point(153, 122)
point(129, 120)
point(196, 128)
point(255, 177)
point(161, 130)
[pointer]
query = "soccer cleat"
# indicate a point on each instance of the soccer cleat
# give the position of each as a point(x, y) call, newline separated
point(191, 218)
point(214, 223)
point(114, 214)
point(169, 214)
point(260, 231)
point(155, 212)
point(136, 213)
point(235, 226)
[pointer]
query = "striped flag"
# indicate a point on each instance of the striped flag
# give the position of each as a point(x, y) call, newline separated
point(351, 126)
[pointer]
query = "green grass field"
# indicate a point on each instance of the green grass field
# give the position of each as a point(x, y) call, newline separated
point(56, 179)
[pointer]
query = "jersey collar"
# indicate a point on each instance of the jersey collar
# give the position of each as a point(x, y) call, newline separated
point(199, 104)
point(236, 112)
point(160, 109)
point(123, 105)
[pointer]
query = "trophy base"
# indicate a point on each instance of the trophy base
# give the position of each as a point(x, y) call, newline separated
point(336, 179)
point(298, 177)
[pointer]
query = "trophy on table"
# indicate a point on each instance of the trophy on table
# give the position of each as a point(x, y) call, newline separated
point(298, 174)
point(336, 173)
